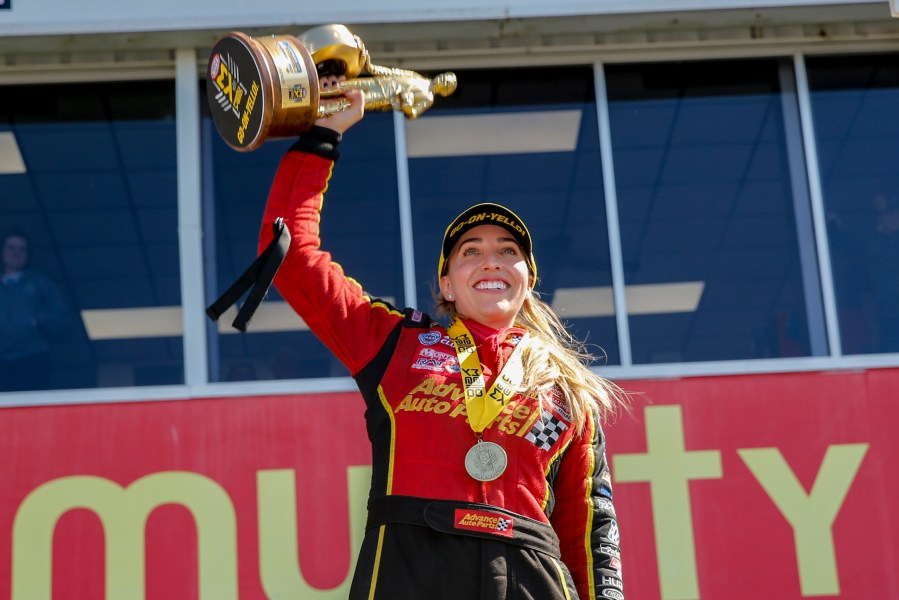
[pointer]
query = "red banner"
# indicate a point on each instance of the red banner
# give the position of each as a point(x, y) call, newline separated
point(771, 486)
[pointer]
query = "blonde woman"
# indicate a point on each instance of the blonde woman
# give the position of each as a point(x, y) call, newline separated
point(489, 474)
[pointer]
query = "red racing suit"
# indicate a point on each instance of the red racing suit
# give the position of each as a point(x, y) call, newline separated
point(551, 510)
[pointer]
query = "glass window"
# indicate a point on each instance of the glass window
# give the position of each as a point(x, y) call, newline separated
point(360, 228)
point(854, 100)
point(712, 206)
point(526, 139)
point(91, 290)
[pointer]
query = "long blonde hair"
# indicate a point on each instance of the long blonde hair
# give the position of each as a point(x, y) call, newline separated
point(555, 360)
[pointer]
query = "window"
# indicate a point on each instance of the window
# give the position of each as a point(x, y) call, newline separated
point(854, 100)
point(526, 139)
point(714, 212)
point(360, 228)
point(88, 181)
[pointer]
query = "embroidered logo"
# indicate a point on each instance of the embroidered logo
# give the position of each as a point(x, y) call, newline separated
point(614, 535)
point(546, 431)
point(484, 521)
point(558, 400)
point(429, 359)
point(430, 338)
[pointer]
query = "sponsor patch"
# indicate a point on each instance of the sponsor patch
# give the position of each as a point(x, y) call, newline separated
point(610, 551)
point(429, 338)
point(560, 404)
point(614, 534)
point(613, 594)
point(606, 505)
point(416, 317)
point(484, 521)
point(546, 431)
point(431, 353)
point(605, 484)
point(612, 582)
point(429, 359)
point(428, 364)
point(615, 564)
point(606, 477)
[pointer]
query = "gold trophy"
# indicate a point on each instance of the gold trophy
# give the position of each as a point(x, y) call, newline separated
point(268, 87)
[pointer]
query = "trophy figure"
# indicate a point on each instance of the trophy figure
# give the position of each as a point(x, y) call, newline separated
point(268, 87)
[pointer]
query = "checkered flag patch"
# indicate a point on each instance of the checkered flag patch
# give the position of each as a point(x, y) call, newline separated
point(503, 524)
point(546, 431)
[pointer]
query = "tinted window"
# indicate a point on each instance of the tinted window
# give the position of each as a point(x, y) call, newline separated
point(526, 139)
point(88, 181)
point(711, 205)
point(854, 100)
point(360, 228)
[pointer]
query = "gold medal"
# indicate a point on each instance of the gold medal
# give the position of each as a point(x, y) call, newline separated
point(486, 461)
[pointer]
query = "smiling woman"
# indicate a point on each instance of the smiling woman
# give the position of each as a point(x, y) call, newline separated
point(488, 269)
point(521, 509)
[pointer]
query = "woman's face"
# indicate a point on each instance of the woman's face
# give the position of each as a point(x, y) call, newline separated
point(487, 276)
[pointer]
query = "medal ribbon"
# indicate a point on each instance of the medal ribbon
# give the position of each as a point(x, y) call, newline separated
point(483, 406)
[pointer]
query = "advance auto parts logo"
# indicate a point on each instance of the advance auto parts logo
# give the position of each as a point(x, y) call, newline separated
point(234, 89)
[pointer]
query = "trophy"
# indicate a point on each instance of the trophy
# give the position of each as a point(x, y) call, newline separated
point(262, 88)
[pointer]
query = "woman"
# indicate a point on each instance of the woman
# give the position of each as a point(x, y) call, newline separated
point(489, 475)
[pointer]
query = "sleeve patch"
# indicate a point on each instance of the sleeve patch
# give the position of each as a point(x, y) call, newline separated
point(546, 431)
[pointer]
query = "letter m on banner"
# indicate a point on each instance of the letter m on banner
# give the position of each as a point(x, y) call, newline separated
point(124, 512)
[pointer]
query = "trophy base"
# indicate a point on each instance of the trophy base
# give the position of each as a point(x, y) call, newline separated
point(261, 88)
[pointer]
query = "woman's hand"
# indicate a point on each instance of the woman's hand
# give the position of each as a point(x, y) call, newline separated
point(341, 121)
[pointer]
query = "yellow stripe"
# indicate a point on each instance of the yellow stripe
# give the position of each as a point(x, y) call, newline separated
point(327, 181)
point(367, 297)
point(589, 504)
point(388, 491)
point(374, 574)
point(561, 577)
point(390, 414)
point(385, 306)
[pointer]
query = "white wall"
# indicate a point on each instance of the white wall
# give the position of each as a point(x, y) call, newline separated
point(50, 17)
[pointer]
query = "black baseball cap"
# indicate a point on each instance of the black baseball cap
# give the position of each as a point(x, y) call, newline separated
point(488, 213)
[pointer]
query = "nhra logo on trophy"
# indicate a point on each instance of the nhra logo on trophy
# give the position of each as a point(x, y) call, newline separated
point(268, 87)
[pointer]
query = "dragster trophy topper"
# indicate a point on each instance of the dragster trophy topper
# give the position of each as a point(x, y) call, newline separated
point(268, 87)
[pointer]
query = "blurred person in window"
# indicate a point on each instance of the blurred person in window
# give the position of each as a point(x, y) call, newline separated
point(852, 281)
point(497, 482)
point(884, 258)
point(32, 314)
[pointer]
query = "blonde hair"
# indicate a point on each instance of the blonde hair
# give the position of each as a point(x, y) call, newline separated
point(555, 361)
